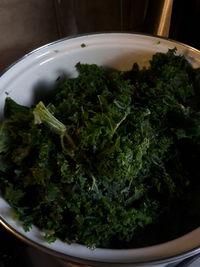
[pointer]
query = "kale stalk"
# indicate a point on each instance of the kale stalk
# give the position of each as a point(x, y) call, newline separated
point(43, 115)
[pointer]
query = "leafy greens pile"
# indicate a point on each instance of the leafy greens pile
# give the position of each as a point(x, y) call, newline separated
point(108, 155)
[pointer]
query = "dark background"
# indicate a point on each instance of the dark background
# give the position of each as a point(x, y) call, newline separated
point(28, 24)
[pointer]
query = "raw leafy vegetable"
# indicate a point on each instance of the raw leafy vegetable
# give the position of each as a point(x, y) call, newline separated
point(110, 154)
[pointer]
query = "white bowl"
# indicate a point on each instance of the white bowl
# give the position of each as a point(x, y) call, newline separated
point(41, 68)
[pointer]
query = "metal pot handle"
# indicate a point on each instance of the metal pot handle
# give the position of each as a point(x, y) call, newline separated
point(163, 24)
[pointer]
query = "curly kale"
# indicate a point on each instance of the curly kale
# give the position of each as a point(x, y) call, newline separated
point(108, 156)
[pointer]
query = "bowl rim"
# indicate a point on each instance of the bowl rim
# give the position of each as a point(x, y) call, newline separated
point(62, 255)
point(94, 33)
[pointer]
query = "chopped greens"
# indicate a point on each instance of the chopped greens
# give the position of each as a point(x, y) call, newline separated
point(108, 156)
